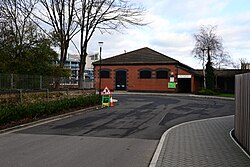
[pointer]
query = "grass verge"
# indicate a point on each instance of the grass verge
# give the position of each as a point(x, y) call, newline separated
point(213, 93)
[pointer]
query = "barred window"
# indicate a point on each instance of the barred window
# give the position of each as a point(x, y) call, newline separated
point(162, 74)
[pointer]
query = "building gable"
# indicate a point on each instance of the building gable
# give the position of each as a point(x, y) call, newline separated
point(140, 56)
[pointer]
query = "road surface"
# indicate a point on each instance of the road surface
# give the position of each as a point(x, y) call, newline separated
point(125, 135)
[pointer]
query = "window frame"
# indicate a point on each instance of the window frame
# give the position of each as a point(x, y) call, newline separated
point(102, 74)
point(158, 76)
point(144, 76)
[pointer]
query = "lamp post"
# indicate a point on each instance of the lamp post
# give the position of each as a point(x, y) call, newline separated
point(100, 61)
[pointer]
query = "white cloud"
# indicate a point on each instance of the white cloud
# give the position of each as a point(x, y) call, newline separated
point(172, 25)
point(191, 9)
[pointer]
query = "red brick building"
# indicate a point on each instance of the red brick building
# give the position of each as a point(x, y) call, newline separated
point(146, 70)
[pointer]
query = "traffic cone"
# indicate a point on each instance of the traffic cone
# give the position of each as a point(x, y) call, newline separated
point(111, 102)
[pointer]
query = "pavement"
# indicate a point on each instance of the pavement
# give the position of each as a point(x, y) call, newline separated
point(200, 143)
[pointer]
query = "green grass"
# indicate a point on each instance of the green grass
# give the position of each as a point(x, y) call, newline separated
point(226, 95)
point(213, 93)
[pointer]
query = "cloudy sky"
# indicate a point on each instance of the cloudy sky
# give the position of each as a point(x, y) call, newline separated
point(172, 25)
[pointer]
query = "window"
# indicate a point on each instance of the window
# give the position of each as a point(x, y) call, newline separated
point(105, 74)
point(162, 74)
point(145, 74)
point(94, 57)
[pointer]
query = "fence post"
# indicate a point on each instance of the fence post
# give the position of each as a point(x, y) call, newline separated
point(84, 84)
point(67, 92)
point(47, 94)
point(21, 96)
point(12, 81)
point(41, 82)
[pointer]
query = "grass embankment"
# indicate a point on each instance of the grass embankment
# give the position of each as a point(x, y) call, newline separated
point(11, 115)
point(214, 93)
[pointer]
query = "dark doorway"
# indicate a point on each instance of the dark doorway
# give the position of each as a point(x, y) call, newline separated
point(121, 80)
point(184, 85)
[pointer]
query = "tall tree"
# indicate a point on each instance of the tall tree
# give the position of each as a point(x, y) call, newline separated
point(243, 63)
point(59, 15)
point(23, 48)
point(208, 47)
point(106, 16)
point(16, 24)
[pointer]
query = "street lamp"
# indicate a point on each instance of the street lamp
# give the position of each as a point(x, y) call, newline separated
point(100, 61)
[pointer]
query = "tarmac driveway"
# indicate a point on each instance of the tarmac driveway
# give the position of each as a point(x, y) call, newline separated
point(125, 135)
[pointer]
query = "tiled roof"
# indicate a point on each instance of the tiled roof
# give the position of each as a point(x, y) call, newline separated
point(225, 72)
point(140, 56)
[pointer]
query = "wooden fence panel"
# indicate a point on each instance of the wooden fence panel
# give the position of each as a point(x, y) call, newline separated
point(242, 110)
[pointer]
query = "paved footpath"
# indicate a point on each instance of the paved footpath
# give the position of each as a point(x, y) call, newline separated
point(200, 143)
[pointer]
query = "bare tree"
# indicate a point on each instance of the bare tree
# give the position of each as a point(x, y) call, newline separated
point(243, 63)
point(223, 60)
point(16, 24)
point(209, 48)
point(106, 16)
point(60, 16)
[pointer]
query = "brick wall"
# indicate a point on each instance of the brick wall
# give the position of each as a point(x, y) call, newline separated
point(135, 83)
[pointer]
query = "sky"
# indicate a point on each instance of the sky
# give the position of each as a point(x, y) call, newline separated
point(172, 24)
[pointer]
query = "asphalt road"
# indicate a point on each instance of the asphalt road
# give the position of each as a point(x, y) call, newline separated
point(125, 135)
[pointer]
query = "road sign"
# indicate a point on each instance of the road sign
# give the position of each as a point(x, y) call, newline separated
point(106, 91)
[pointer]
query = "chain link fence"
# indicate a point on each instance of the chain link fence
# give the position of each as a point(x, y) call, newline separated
point(36, 82)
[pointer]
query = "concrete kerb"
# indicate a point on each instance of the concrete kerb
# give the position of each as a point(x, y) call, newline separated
point(47, 120)
point(165, 134)
point(174, 95)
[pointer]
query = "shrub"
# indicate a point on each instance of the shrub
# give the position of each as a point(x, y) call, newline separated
point(11, 113)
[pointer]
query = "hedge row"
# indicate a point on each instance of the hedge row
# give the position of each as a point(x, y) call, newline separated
point(10, 113)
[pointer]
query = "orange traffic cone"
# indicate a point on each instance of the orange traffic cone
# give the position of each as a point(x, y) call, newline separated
point(111, 102)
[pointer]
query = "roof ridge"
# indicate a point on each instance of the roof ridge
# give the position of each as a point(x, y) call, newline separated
point(141, 55)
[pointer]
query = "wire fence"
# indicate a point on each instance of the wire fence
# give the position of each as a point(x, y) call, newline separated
point(20, 96)
point(36, 82)
point(242, 112)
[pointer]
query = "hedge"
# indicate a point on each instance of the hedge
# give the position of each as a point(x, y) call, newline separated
point(11, 113)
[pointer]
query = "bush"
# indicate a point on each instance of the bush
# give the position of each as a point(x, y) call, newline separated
point(10, 113)
point(207, 92)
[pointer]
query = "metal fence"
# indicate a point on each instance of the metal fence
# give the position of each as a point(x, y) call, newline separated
point(31, 82)
point(242, 111)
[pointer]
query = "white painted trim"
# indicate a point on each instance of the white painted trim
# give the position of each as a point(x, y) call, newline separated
point(238, 144)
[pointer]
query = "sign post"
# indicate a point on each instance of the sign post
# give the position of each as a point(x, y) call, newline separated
point(172, 84)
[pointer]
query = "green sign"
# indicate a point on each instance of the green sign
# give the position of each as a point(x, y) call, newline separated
point(172, 85)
